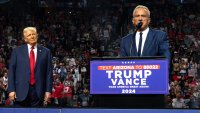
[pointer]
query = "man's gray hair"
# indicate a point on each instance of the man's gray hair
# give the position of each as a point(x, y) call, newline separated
point(143, 7)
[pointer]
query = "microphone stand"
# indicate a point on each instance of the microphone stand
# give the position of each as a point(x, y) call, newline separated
point(138, 26)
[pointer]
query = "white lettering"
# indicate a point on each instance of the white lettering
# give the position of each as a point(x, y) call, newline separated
point(129, 74)
point(143, 81)
point(135, 81)
point(114, 81)
point(118, 74)
point(147, 73)
point(109, 73)
point(137, 73)
point(121, 82)
point(128, 81)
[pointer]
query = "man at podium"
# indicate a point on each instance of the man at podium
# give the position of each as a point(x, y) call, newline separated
point(143, 42)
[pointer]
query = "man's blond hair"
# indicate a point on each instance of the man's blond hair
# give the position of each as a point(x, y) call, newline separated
point(29, 28)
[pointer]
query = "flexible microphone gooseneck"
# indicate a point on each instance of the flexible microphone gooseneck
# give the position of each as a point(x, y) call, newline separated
point(138, 26)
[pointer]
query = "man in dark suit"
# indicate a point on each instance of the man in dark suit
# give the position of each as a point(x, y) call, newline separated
point(143, 42)
point(153, 42)
point(30, 72)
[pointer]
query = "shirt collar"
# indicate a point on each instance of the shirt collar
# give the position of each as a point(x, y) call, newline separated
point(29, 46)
point(145, 31)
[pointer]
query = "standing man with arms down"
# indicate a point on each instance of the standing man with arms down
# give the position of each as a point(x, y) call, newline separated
point(30, 72)
point(144, 41)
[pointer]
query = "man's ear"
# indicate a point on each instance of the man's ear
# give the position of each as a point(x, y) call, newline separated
point(133, 21)
point(24, 39)
point(149, 20)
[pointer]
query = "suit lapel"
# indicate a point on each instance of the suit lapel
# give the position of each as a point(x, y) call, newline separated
point(134, 50)
point(39, 51)
point(25, 53)
point(148, 42)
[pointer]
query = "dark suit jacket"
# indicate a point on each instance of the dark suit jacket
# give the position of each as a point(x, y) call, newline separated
point(19, 72)
point(156, 44)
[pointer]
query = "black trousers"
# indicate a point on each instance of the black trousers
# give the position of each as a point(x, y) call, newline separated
point(31, 100)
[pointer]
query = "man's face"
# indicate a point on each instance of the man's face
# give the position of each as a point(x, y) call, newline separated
point(30, 37)
point(141, 15)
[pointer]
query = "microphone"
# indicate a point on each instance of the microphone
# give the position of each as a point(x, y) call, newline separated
point(139, 25)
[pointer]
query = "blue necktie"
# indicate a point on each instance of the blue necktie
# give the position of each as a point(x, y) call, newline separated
point(140, 45)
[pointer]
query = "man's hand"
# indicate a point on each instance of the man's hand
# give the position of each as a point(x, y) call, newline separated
point(12, 96)
point(47, 96)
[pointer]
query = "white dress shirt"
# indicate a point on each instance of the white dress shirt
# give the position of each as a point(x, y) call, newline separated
point(144, 36)
point(35, 51)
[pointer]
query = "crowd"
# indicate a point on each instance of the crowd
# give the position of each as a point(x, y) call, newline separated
point(73, 36)
point(76, 35)
point(181, 22)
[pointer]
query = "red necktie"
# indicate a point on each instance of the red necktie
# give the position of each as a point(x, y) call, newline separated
point(32, 66)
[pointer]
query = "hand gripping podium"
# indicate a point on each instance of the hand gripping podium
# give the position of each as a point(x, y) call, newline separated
point(130, 82)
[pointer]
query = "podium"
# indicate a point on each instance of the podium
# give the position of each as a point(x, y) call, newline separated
point(131, 82)
point(148, 101)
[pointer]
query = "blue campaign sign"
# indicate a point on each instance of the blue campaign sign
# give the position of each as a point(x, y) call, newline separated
point(127, 76)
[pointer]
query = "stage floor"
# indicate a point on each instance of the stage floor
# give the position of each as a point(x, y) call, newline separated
point(86, 110)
